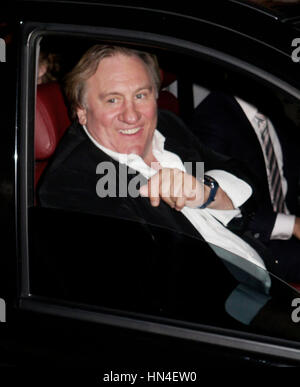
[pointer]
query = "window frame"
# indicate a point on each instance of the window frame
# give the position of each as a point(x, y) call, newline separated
point(31, 33)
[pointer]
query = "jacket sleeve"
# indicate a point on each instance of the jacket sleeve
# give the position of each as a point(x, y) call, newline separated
point(255, 217)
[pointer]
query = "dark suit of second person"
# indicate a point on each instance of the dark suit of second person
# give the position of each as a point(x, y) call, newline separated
point(221, 123)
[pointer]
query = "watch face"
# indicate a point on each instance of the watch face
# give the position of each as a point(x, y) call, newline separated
point(209, 181)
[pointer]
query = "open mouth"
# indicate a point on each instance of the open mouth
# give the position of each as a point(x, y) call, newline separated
point(130, 131)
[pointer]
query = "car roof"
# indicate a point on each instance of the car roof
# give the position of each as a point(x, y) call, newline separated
point(264, 21)
point(283, 10)
point(276, 9)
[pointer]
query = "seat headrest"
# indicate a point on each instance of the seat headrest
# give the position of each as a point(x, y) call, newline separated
point(167, 100)
point(51, 119)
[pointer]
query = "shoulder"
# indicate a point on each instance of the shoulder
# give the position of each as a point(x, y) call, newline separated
point(167, 119)
point(173, 127)
point(72, 139)
point(217, 101)
point(74, 162)
point(75, 150)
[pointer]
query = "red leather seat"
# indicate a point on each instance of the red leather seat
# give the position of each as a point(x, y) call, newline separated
point(167, 100)
point(51, 121)
point(295, 286)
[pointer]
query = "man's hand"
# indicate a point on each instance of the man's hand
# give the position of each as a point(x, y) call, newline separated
point(175, 187)
point(296, 231)
point(179, 189)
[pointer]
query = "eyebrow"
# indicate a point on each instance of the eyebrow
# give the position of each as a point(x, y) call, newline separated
point(105, 95)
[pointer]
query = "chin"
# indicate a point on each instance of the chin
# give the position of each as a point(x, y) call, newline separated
point(135, 150)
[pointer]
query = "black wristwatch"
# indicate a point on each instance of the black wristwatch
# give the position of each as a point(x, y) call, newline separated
point(213, 184)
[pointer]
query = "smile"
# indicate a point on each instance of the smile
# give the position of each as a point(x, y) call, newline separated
point(130, 131)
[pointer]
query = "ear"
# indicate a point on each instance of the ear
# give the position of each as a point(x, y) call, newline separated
point(81, 114)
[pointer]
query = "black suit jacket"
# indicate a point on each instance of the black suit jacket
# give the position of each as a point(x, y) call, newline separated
point(221, 124)
point(70, 180)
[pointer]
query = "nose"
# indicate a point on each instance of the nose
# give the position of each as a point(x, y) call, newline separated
point(130, 114)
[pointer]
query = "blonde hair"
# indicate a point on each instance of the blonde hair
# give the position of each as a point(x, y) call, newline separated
point(87, 66)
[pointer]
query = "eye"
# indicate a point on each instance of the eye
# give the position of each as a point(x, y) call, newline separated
point(112, 100)
point(141, 95)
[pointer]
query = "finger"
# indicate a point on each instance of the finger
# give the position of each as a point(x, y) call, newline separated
point(168, 187)
point(190, 195)
point(154, 201)
point(144, 190)
point(154, 189)
point(175, 184)
point(189, 186)
point(194, 192)
point(180, 203)
point(169, 201)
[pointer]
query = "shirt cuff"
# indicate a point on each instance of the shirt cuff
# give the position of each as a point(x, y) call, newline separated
point(224, 216)
point(237, 190)
point(283, 227)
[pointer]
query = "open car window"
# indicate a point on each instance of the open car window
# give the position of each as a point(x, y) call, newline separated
point(132, 266)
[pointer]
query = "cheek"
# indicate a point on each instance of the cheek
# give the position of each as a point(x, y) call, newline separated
point(99, 119)
point(148, 111)
point(151, 114)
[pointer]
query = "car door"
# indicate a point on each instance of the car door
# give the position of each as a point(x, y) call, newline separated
point(100, 291)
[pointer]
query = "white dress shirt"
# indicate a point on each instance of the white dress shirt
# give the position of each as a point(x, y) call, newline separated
point(284, 224)
point(208, 222)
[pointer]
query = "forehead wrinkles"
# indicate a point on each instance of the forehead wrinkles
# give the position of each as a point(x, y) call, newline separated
point(121, 71)
point(118, 67)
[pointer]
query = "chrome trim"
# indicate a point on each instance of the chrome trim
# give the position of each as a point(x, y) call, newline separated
point(229, 341)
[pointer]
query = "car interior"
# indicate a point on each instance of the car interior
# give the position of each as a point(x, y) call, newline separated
point(183, 88)
point(81, 279)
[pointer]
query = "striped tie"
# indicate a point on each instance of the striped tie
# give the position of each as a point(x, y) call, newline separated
point(273, 169)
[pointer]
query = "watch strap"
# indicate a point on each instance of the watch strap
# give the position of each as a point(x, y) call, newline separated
point(213, 184)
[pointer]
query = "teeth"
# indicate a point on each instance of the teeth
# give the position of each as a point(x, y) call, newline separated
point(130, 131)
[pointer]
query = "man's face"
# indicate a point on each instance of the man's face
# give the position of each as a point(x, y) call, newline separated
point(120, 106)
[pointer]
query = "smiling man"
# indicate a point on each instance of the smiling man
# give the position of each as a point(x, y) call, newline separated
point(120, 106)
point(113, 95)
